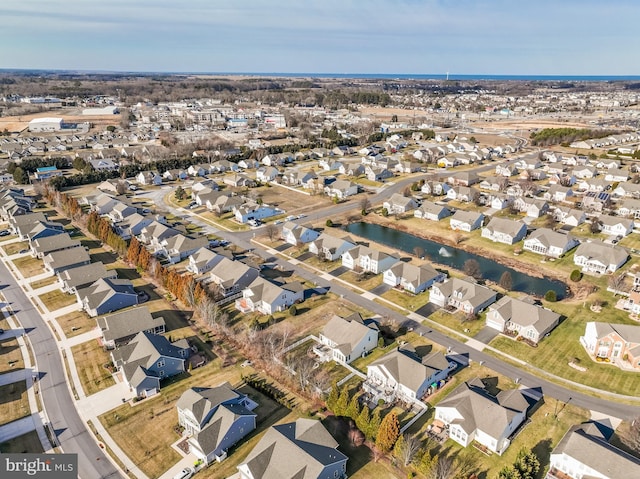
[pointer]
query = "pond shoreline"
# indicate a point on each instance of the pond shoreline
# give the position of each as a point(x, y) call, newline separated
point(575, 291)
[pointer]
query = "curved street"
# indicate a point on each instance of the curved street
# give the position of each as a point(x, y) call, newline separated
point(71, 432)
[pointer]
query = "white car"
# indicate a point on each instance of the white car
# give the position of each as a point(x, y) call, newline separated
point(186, 473)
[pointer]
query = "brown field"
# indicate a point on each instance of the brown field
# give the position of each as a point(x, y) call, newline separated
point(14, 403)
point(19, 123)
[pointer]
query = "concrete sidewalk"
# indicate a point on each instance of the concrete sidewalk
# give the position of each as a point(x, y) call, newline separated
point(105, 400)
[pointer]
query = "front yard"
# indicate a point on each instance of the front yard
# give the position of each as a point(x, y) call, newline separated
point(56, 299)
point(29, 266)
point(14, 403)
point(27, 443)
point(76, 323)
point(90, 359)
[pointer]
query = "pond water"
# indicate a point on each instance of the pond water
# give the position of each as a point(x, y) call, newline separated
point(455, 258)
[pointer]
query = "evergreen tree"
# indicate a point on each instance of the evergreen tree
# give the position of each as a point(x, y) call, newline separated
point(527, 464)
point(340, 409)
point(363, 419)
point(426, 463)
point(353, 410)
point(389, 432)
point(374, 425)
point(508, 472)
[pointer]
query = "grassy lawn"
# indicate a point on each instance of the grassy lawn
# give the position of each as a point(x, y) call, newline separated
point(44, 282)
point(56, 299)
point(563, 345)
point(456, 321)
point(29, 266)
point(90, 359)
point(145, 430)
point(27, 443)
point(76, 323)
point(406, 300)
point(14, 403)
point(10, 354)
point(364, 281)
point(13, 248)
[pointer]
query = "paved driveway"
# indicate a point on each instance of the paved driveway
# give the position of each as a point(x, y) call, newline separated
point(338, 271)
point(283, 247)
point(304, 256)
point(379, 290)
point(486, 334)
point(427, 310)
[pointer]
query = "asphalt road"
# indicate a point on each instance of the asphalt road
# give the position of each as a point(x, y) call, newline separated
point(549, 389)
point(71, 432)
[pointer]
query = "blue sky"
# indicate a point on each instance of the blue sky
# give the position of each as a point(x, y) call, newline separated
point(525, 37)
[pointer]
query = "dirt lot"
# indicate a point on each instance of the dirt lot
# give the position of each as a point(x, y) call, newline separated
point(20, 123)
point(291, 201)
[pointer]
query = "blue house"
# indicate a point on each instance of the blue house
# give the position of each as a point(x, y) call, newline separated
point(47, 172)
point(147, 359)
point(216, 419)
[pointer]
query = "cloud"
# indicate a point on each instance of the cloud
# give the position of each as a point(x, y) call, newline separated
point(466, 36)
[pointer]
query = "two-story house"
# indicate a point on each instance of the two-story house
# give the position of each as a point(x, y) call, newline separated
point(412, 278)
point(463, 295)
point(345, 339)
point(504, 230)
point(266, 297)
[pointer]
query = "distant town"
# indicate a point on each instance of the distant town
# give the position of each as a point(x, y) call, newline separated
point(257, 277)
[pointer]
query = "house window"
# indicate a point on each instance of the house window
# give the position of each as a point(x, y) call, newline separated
point(161, 373)
point(160, 363)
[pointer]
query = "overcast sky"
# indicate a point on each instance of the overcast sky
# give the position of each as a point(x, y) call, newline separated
point(521, 37)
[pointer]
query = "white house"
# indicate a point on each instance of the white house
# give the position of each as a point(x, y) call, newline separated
point(525, 319)
point(330, 247)
point(598, 257)
point(466, 220)
point(367, 259)
point(462, 295)
point(549, 243)
point(397, 204)
point(616, 226)
point(504, 230)
point(341, 189)
point(267, 298)
point(404, 375)
point(295, 234)
point(412, 278)
point(346, 339)
point(473, 414)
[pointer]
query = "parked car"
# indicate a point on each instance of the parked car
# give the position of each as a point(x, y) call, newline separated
point(23, 251)
point(5, 233)
point(186, 473)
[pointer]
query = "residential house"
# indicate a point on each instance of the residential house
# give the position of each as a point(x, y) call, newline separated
point(629, 208)
point(149, 178)
point(104, 203)
point(179, 247)
point(132, 225)
point(369, 260)
point(569, 216)
point(407, 167)
point(216, 419)
point(267, 297)
point(341, 189)
point(463, 194)
point(155, 233)
point(62, 260)
point(500, 201)
point(149, 358)
point(463, 178)
point(74, 279)
point(346, 339)
point(596, 202)
point(239, 180)
point(510, 315)
point(585, 452)
point(431, 211)
point(107, 164)
point(617, 343)
point(378, 173)
point(598, 257)
point(616, 175)
point(558, 193)
point(463, 295)
point(120, 328)
point(120, 211)
point(107, 295)
point(266, 174)
point(582, 172)
point(493, 183)
point(398, 204)
point(50, 244)
point(549, 243)
point(504, 230)
point(203, 260)
point(435, 188)
point(627, 189)
point(615, 225)
point(472, 414)
point(295, 234)
point(303, 449)
point(404, 375)
point(330, 247)
point(507, 169)
point(27, 230)
point(352, 169)
point(466, 220)
point(531, 207)
point(232, 277)
point(254, 211)
point(412, 278)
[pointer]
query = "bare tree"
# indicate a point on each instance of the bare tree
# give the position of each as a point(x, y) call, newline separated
point(444, 468)
point(506, 281)
point(616, 281)
point(365, 204)
point(304, 371)
point(633, 438)
point(472, 268)
point(407, 448)
point(418, 251)
point(271, 230)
